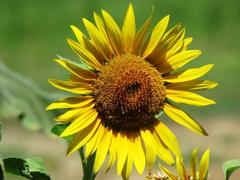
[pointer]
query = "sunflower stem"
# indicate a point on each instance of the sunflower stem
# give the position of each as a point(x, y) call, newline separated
point(87, 164)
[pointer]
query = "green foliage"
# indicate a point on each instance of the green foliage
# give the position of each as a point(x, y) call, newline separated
point(0, 131)
point(2, 170)
point(21, 99)
point(57, 129)
point(87, 164)
point(229, 167)
point(32, 168)
point(1, 163)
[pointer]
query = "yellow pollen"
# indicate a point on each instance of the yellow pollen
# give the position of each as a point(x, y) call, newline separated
point(128, 93)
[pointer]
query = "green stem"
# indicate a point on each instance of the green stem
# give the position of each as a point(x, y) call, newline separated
point(88, 173)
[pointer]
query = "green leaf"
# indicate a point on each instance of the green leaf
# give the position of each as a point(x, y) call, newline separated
point(80, 63)
point(229, 167)
point(32, 168)
point(23, 100)
point(15, 166)
point(2, 170)
point(57, 129)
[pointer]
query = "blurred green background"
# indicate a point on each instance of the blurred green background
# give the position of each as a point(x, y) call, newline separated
point(32, 33)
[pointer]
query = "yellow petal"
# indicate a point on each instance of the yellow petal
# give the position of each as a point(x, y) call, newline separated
point(100, 26)
point(182, 118)
point(168, 138)
point(172, 36)
point(73, 113)
point(167, 45)
point(150, 146)
point(181, 169)
point(84, 42)
point(99, 39)
point(113, 32)
point(112, 152)
point(194, 160)
point(138, 42)
point(168, 173)
point(70, 114)
point(79, 35)
point(87, 57)
point(187, 97)
point(156, 36)
point(193, 85)
point(73, 87)
point(129, 29)
point(178, 60)
point(183, 46)
point(176, 44)
point(122, 154)
point(127, 169)
point(186, 43)
point(74, 78)
point(204, 163)
point(80, 123)
point(72, 102)
point(75, 69)
point(188, 75)
point(162, 151)
point(102, 149)
point(93, 143)
point(138, 155)
point(82, 137)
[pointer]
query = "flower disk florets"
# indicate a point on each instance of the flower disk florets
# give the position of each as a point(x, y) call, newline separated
point(128, 93)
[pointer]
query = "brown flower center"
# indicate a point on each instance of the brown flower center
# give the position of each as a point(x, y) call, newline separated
point(128, 93)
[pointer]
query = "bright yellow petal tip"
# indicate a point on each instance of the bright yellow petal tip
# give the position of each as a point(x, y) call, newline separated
point(204, 164)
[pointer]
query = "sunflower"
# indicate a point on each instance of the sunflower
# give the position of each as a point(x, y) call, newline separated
point(194, 174)
point(124, 81)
